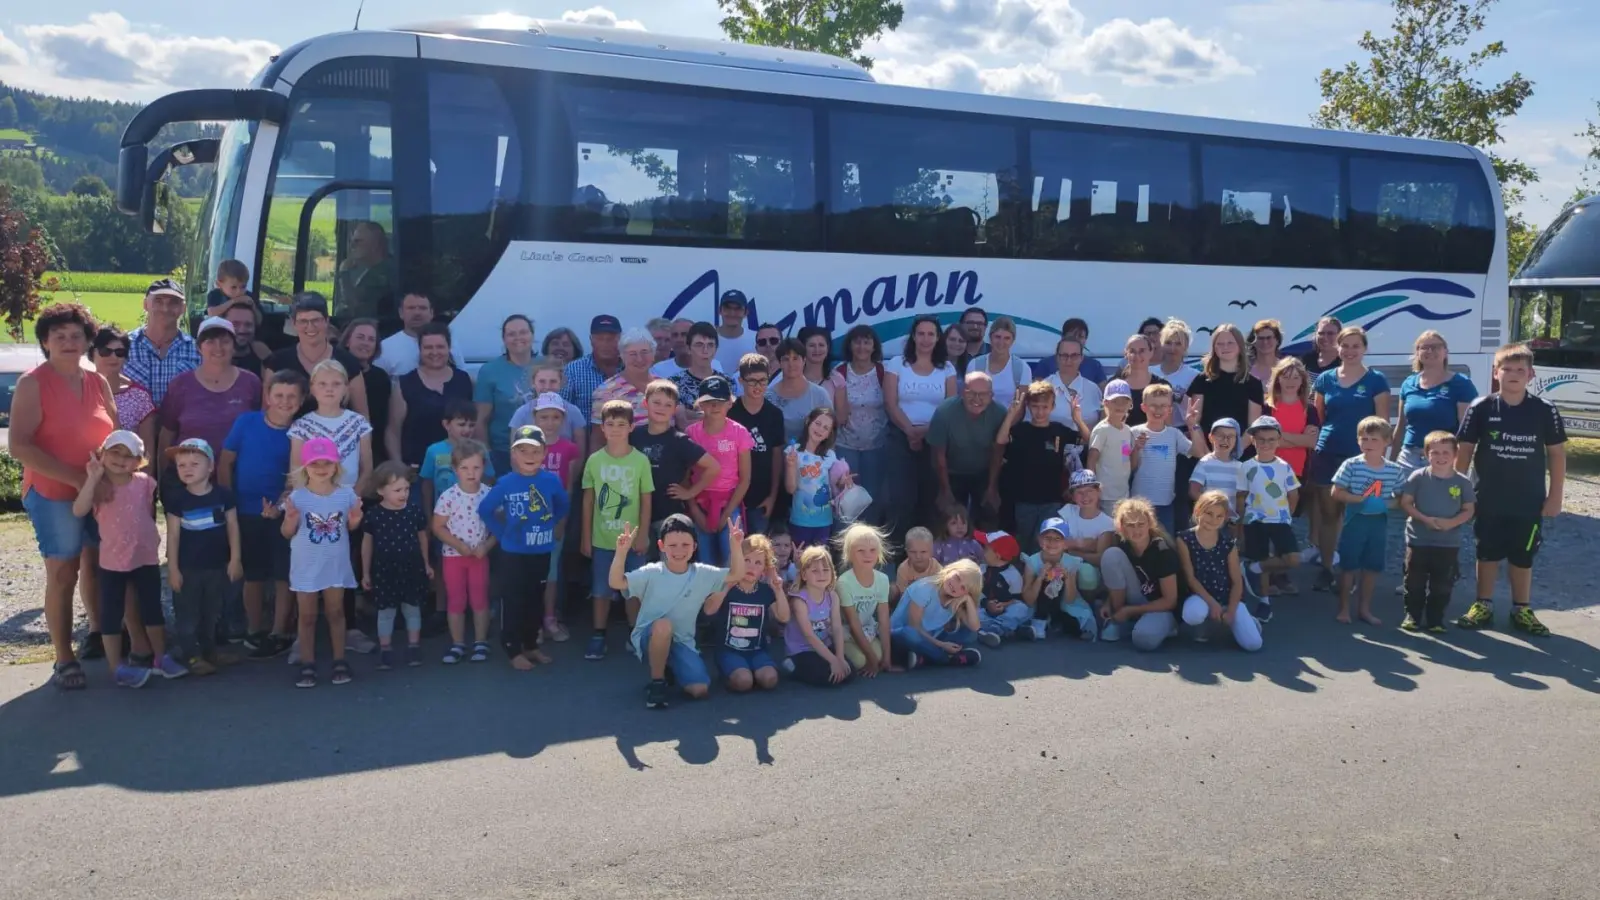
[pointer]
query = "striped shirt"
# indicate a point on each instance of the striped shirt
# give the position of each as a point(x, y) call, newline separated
point(1355, 476)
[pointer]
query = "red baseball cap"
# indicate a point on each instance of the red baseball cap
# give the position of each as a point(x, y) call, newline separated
point(1002, 542)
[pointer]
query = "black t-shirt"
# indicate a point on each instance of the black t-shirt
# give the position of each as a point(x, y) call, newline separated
point(1136, 415)
point(289, 358)
point(1226, 399)
point(1314, 366)
point(671, 456)
point(203, 520)
point(1035, 459)
point(249, 362)
point(1509, 451)
point(1157, 562)
point(741, 623)
point(766, 429)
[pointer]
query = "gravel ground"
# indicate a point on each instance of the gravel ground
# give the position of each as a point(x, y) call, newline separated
point(1561, 579)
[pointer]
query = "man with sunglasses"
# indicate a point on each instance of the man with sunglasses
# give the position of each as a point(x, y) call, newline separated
point(736, 340)
point(159, 351)
point(768, 338)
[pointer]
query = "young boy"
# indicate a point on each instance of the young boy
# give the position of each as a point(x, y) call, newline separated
point(1367, 485)
point(672, 457)
point(918, 564)
point(232, 278)
point(1051, 583)
point(1111, 446)
point(1507, 437)
point(1269, 493)
point(720, 502)
point(703, 342)
point(1037, 452)
point(669, 596)
point(1004, 612)
point(203, 560)
point(764, 421)
point(526, 512)
point(437, 474)
point(255, 465)
point(561, 459)
point(1089, 530)
point(1218, 470)
point(1157, 448)
point(1437, 501)
point(617, 487)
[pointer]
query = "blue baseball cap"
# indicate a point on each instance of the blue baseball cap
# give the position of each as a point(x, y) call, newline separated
point(1054, 523)
point(1225, 422)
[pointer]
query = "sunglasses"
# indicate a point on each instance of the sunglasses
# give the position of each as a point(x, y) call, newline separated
point(112, 351)
point(768, 342)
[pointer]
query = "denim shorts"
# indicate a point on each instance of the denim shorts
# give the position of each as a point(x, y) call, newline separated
point(600, 571)
point(731, 661)
point(61, 535)
point(683, 660)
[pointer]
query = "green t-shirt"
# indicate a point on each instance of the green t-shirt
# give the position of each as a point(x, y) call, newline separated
point(967, 440)
point(864, 598)
point(618, 483)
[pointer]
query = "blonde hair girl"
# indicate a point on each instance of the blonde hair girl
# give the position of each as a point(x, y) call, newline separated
point(319, 516)
point(1140, 572)
point(1209, 555)
point(864, 597)
point(936, 622)
point(814, 636)
point(349, 430)
point(741, 643)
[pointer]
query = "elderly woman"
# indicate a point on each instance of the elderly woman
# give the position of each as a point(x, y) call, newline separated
point(60, 414)
point(417, 406)
point(203, 402)
point(1006, 371)
point(504, 384)
point(563, 344)
point(360, 340)
point(638, 351)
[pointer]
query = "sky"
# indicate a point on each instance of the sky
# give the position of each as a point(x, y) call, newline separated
point(1241, 59)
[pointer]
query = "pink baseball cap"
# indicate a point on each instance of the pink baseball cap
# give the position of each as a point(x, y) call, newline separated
point(319, 449)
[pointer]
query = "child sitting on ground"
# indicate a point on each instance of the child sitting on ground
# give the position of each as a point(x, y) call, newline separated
point(1209, 556)
point(1089, 530)
point(815, 634)
point(956, 540)
point(1004, 613)
point(936, 623)
point(1050, 583)
point(918, 564)
point(864, 595)
point(739, 617)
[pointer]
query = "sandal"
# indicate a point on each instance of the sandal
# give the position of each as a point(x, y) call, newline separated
point(480, 652)
point(341, 672)
point(455, 654)
point(308, 677)
point(69, 676)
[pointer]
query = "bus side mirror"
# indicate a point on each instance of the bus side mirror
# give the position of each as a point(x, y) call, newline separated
point(131, 164)
point(154, 199)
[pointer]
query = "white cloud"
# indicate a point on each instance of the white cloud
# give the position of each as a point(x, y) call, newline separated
point(602, 17)
point(105, 56)
point(1557, 153)
point(1156, 52)
point(959, 72)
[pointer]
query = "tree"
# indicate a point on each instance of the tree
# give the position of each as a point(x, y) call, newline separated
point(837, 27)
point(1422, 81)
point(8, 112)
point(1591, 160)
point(24, 258)
point(90, 186)
point(21, 173)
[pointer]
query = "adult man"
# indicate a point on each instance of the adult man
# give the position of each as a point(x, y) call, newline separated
point(768, 337)
point(735, 340)
point(966, 458)
point(585, 374)
point(157, 350)
point(661, 330)
point(1068, 382)
point(242, 316)
point(399, 354)
point(974, 325)
point(365, 288)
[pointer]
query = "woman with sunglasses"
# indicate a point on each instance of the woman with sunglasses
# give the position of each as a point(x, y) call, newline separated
point(768, 337)
point(136, 409)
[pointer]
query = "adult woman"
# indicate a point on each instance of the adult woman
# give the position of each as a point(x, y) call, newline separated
point(1266, 338)
point(136, 411)
point(416, 409)
point(913, 387)
point(858, 408)
point(1007, 372)
point(1324, 352)
point(60, 414)
point(955, 349)
point(1225, 388)
point(1069, 382)
point(1076, 329)
point(360, 340)
point(504, 385)
point(1136, 372)
point(562, 344)
point(1344, 396)
point(1140, 572)
point(203, 402)
point(792, 392)
point(309, 315)
point(1174, 340)
point(1432, 398)
point(819, 350)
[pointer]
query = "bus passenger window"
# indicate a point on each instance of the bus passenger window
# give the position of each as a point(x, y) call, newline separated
point(1420, 215)
point(1271, 205)
point(1113, 197)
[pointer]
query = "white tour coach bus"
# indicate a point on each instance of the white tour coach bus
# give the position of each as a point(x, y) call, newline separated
point(1555, 307)
point(505, 164)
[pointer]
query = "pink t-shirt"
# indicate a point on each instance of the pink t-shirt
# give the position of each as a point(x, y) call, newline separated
point(558, 458)
point(724, 447)
point(128, 536)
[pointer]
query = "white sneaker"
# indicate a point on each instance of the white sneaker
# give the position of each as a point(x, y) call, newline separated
point(1335, 559)
point(991, 638)
point(294, 653)
point(1038, 626)
point(356, 642)
point(1111, 631)
point(1310, 556)
point(1255, 568)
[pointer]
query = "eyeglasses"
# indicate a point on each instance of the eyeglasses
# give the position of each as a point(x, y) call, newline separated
point(768, 342)
point(121, 352)
point(755, 382)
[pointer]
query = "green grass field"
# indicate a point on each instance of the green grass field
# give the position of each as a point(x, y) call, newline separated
point(122, 309)
point(14, 134)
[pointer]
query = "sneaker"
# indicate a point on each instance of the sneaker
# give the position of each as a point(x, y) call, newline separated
point(1479, 615)
point(271, 646)
point(202, 666)
point(971, 656)
point(255, 640)
point(142, 660)
point(989, 638)
point(356, 642)
point(413, 655)
point(655, 694)
point(1036, 629)
point(1400, 589)
point(294, 653)
point(1264, 611)
point(1325, 582)
point(169, 667)
point(1436, 628)
point(129, 676)
point(385, 659)
point(596, 648)
point(91, 647)
point(1523, 619)
point(556, 631)
point(913, 660)
point(1310, 556)
point(1410, 624)
point(787, 665)
point(1111, 631)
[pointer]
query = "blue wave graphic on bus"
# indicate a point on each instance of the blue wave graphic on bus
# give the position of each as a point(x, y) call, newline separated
point(1377, 305)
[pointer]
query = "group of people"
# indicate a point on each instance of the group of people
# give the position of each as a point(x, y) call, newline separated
point(720, 489)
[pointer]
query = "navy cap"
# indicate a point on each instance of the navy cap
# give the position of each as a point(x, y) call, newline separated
point(731, 297)
point(605, 324)
point(716, 387)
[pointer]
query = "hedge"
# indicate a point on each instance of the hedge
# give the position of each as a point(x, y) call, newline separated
point(10, 482)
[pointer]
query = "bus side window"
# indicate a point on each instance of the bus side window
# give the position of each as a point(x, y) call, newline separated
point(1111, 197)
point(1419, 215)
point(1271, 205)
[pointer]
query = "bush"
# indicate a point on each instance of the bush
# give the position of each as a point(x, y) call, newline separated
point(10, 482)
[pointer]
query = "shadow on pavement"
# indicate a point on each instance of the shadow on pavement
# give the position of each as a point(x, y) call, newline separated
point(248, 727)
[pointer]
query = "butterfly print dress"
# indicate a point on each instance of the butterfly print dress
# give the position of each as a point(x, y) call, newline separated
point(319, 554)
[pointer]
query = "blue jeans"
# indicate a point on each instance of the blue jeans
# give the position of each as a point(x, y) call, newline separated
point(730, 661)
point(756, 521)
point(1014, 616)
point(910, 640)
point(61, 535)
point(871, 473)
point(714, 545)
point(683, 660)
point(600, 572)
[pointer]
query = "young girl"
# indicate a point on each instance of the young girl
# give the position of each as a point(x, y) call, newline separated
point(1089, 530)
point(955, 543)
point(395, 570)
point(918, 564)
point(562, 459)
point(936, 622)
point(783, 556)
point(467, 542)
point(815, 634)
point(739, 618)
point(318, 516)
point(815, 475)
point(864, 594)
point(1289, 401)
point(348, 430)
point(1209, 556)
point(549, 378)
point(121, 497)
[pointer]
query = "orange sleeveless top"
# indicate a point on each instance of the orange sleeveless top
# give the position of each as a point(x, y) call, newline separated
point(71, 427)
